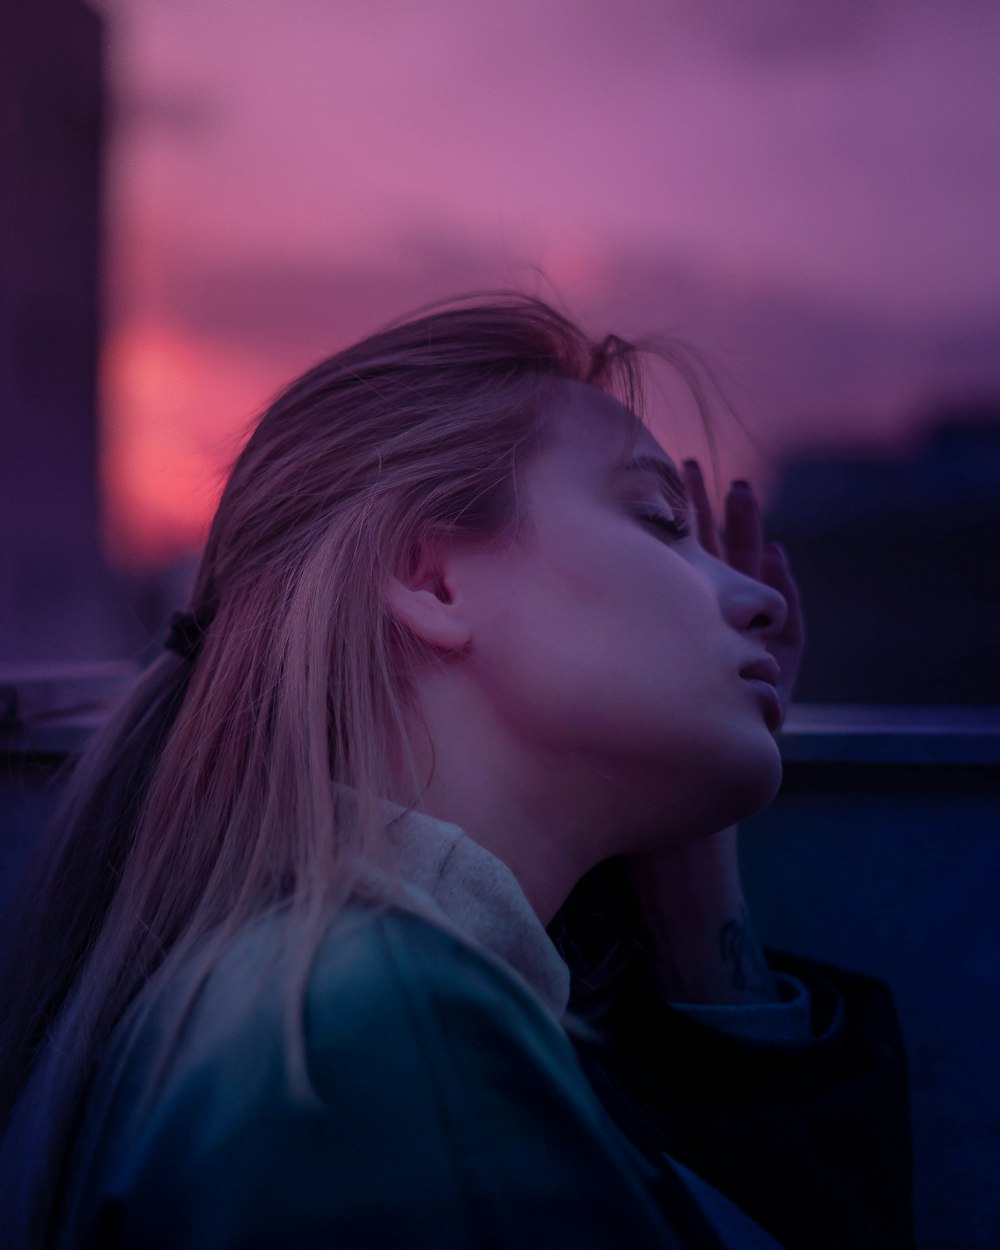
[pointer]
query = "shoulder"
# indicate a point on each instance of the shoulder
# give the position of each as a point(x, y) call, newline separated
point(404, 1008)
point(393, 960)
point(399, 976)
point(384, 991)
point(444, 1088)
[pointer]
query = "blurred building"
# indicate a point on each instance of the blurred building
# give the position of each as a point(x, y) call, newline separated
point(53, 583)
point(898, 561)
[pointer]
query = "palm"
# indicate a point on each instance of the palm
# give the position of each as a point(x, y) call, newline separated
point(741, 544)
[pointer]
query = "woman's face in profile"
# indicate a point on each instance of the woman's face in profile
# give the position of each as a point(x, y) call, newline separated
point(604, 639)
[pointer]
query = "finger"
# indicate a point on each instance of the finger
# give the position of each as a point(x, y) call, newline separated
point(743, 530)
point(777, 573)
point(702, 505)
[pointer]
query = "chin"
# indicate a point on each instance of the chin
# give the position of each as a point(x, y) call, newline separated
point(755, 780)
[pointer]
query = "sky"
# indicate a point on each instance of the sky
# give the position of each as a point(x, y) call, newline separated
point(806, 190)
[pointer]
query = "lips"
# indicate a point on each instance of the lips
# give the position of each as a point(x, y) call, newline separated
point(763, 674)
point(764, 669)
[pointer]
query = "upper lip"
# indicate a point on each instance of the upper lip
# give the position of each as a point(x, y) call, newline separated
point(766, 668)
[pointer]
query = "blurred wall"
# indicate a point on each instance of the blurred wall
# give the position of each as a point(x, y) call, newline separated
point(897, 557)
point(53, 584)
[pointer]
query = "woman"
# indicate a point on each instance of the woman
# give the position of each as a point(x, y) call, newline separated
point(398, 903)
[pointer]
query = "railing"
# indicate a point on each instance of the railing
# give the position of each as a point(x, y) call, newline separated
point(881, 853)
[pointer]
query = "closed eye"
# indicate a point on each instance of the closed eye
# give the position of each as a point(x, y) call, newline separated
point(677, 528)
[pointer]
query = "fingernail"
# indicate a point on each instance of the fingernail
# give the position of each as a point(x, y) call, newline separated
point(741, 483)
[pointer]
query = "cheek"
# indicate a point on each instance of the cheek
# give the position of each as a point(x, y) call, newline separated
point(599, 622)
point(596, 671)
point(662, 601)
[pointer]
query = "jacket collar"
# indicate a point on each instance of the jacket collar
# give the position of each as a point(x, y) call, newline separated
point(440, 873)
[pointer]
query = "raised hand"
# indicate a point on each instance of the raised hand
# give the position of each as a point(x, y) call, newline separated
point(741, 544)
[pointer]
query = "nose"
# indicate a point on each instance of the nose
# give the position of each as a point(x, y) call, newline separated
point(748, 604)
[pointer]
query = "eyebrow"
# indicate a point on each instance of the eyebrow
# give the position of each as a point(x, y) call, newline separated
point(669, 478)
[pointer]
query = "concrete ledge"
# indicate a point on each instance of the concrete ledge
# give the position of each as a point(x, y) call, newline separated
point(835, 733)
point(48, 711)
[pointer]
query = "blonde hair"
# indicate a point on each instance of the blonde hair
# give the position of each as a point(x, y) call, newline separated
point(206, 800)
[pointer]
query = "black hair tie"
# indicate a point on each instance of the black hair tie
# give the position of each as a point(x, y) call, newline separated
point(186, 634)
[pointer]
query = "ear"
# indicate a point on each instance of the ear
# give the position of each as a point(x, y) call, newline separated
point(427, 599)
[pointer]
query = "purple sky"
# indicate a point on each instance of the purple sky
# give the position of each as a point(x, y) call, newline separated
point(808, 190)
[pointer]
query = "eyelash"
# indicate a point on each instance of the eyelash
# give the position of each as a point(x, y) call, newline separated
point(678, 529)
